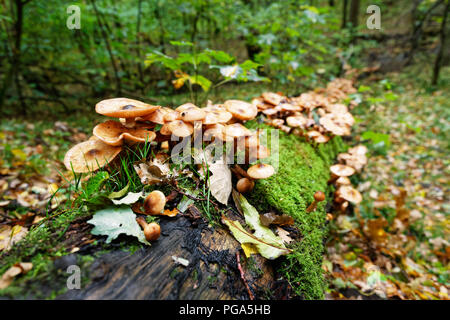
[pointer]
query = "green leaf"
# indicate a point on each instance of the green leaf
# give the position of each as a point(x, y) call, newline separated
point(130, 198)
point(94, 184)
point(120, 193)
point(114, 221)
point(220, 56)
point(269, 245)
point(182, 43)
point(201, 81)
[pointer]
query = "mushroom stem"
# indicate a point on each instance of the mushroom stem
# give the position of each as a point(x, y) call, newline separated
point(318, 197)
point(152, 230)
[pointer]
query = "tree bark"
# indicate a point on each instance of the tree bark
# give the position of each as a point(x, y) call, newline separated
point(344, 13)
point(354, 12)
point(152, 273)
point(440, 55)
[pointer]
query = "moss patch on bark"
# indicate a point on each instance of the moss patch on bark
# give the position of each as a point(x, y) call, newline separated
point(303, 169)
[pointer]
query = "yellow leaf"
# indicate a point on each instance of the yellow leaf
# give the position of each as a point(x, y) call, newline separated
point(52, 188)
point(19, 154)
point(248, 248)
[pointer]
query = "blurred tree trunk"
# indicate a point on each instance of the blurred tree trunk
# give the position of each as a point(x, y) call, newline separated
point(138, 45)
point(354, 12)
point(440, 55)
point(108, 48)
point(13, 76)
point(344, 13)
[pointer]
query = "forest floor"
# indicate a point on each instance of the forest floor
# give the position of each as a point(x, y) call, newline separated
point(395, 245)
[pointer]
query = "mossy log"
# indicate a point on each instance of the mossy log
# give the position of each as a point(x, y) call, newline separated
point(213, 273)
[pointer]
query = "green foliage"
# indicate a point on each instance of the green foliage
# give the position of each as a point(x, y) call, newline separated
point(187, 67)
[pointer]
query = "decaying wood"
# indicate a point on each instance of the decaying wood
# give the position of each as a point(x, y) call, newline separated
point(152, 273)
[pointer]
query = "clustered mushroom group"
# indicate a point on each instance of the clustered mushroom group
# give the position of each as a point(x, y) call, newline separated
point(315, 115)
point(350, 162)
point(137, 123)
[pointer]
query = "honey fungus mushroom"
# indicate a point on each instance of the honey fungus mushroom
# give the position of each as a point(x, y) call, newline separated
point(190, 112)
point(348, 193)
point(90, 155)
point(245, 185)
point(260, 171)
point(124, 108)
point(340, 170)
point(241, 110)
point(154, 203)
point(114, 133)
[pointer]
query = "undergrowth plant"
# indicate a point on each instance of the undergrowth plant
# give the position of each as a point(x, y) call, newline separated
point(194, 68)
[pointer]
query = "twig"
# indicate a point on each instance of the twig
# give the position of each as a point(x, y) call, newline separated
point(241, 271)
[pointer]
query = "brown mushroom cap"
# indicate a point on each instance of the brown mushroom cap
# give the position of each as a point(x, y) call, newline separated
point(245, 185)
point(319, 196)
point(154, 203)
point(180, 128)
point(272, 98)
point(241, 110)
point(157, 116)
point(165, 130)
point(172, 115)
point(214, 117)
point(260, 171)
point(90, 155)
point(350, 194)
point(191, 113)
point(113, 133)
point(236, 130)
point(341, 170)
point(342, 181)
point(213, 131)
point(296, 121)
point(124, 108)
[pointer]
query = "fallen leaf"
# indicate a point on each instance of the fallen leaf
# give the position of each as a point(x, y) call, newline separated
point(114, 221)
point(130, 198)
point(9, 236)
point(272, 218)
point(284, 235)
point(220, 181)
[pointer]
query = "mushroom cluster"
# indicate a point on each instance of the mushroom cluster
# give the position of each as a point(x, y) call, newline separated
point(352, 161)
point(109, 136)
point(137, 119)
point(314, 115)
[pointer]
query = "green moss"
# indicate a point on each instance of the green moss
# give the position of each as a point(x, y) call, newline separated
point(303, 169)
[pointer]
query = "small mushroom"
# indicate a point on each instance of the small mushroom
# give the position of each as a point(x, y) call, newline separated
point(157, 116)
point(124, 108)
point(272, 98)
point(342, 181)
point(215, 117)
point(348, 193)
point(318, 197)
point(236, 130)
point(172, 115)
point(180, 128)
point(245, 185)
point(296, 121)
point(154, 203)
point(241, 110)
point(340, 170)
point(191, 113)
point(114, 133)
point(90, 155)
point(152, 231)
point(260, 171)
